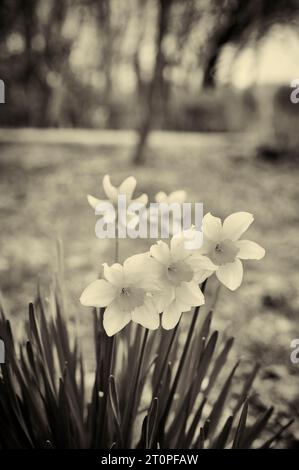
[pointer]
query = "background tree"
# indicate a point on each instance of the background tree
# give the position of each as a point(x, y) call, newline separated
point(163, 17)
point(238, 22)
point(139, 64)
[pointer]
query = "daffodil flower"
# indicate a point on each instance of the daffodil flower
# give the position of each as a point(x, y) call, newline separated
point(222, 245)
point(163, 212)
point(179, 271)
point(126, 294)
point(126, 188)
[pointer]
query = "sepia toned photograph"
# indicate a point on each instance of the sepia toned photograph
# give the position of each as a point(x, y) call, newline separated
point(149, 227)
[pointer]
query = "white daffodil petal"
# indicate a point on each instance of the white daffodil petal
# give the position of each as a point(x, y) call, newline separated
point(177, 196)
point(231, 274)
point(249, 250)
point(201, 276)
point(188, 236)
point(115, 319)
point(114, 274)
point(93, 201)
point(178, 250)
point(160, 251)
point(161, 197)
point(146, 316)
point(163, 298)
point(171, 316)
point(202, 267)
point(110, 190)
point(143, 199)
point(135, 262)
point(193, 240)
point(200, 262)
point(127, 187)
point(98, 294)
point(236, 224)
point(212, 227)
point(149, 283)
point(143, 271)
point(207, 246)
point(190, 294)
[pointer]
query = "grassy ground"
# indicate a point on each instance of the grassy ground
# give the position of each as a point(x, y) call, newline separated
point(43, 195)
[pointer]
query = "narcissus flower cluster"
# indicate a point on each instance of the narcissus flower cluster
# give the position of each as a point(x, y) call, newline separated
point(156, 287)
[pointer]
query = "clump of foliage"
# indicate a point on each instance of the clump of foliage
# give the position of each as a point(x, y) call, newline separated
point(151, 389)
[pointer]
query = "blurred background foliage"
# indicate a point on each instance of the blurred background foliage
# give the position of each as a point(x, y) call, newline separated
point(139, 64)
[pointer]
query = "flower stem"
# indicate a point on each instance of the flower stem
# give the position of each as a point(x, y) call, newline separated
point(158, 383)
point(216, 296)
point(111, 365)
point(180, 366)
point(116, 246)
point(134, 398)
point(141, 360)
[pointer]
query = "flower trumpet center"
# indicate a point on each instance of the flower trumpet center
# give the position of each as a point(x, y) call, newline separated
point(130, 298)
point(179, 272)
point(223, 252)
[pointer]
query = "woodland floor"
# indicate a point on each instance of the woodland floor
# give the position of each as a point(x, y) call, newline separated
point(43, 187)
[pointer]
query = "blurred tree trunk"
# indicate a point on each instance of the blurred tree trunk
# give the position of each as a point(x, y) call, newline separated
point(149, 106)
point(141, 83)
point(28, 12)
point(107, 39)
point(55, 58)
point(233, 22)
point(222, 38)
point(38, 63)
